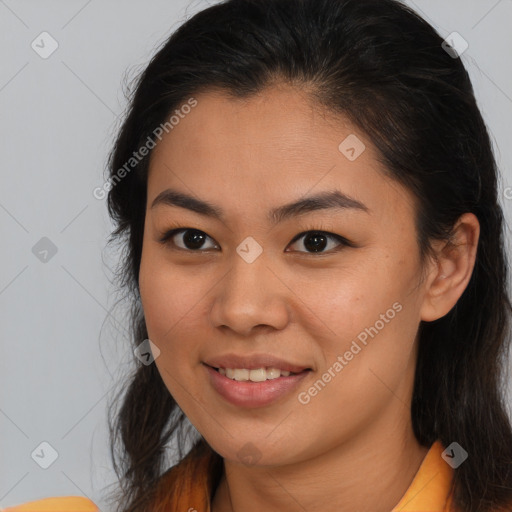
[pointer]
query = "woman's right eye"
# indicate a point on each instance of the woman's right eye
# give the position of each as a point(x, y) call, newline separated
point(193, 239)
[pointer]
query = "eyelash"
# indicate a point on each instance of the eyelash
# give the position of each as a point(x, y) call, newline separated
point(166, 239)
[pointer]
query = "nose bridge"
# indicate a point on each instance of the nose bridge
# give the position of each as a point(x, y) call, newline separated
point(248, 296)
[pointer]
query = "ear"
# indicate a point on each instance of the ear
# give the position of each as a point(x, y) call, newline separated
point(451, 269)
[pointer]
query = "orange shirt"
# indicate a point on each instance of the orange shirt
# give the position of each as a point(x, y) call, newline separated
point(63, 504)
point(429, 491)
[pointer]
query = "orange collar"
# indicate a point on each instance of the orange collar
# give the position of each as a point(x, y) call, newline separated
point(430, 489)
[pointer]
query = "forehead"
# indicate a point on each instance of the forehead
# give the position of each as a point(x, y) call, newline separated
point(279, 122)
point(268, 149)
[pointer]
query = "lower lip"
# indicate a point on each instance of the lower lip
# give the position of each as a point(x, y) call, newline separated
point(253, 394)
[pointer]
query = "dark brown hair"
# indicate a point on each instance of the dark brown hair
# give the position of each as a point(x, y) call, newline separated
point(381, 65)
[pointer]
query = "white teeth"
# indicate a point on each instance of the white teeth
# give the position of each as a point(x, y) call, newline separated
point(273, 373)
point(258, 375)
point(242, 374)
point(254, 375)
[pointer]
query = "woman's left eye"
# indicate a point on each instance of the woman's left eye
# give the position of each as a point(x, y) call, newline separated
point(194, 239)
point(316, 241)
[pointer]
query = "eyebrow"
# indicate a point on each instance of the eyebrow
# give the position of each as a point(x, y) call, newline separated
point(328, 200)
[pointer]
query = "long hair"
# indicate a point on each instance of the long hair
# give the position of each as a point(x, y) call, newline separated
point(385, 68)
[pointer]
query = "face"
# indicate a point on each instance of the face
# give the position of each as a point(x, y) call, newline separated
point(331, 287)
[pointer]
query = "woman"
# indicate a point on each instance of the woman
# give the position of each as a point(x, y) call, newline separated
point(314, 251)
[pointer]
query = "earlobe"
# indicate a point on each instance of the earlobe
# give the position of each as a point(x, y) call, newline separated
point(451, 273)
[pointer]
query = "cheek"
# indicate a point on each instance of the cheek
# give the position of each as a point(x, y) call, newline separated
point(368, 317)
point(364, 364)
point(339, 302)
point(170, 295)
point(170, 305)
point(176, 300)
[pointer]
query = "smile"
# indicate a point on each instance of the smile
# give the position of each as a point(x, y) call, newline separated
point(257, 387)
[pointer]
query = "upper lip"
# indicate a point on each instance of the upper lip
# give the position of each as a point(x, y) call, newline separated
point(254, 361)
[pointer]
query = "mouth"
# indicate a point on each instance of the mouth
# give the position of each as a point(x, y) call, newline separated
point(258, 386)
point(255, 374)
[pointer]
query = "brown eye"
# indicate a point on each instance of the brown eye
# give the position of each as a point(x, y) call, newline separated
point(317, 241)
point(186, 238)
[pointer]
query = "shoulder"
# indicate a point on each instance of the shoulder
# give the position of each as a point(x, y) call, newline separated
point(59, 504)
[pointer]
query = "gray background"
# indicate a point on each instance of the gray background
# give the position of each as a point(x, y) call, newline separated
point(64, 347)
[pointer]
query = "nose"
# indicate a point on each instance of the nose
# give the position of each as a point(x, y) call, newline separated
point(250, 297)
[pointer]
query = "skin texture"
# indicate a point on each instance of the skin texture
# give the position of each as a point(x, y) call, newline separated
point(247, 157)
